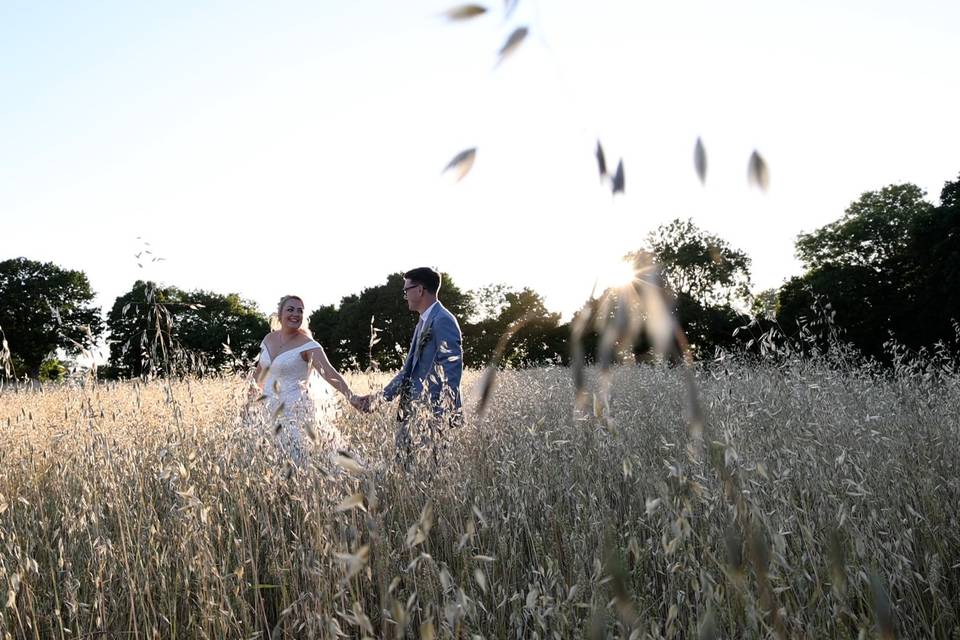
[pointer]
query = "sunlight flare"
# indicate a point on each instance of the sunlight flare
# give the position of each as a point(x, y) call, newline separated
point(615, 274)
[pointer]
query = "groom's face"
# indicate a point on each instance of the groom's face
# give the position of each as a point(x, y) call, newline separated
point(413, 292)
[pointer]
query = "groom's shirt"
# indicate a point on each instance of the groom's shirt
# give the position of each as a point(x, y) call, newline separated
point(423, 322)
point(426, 314)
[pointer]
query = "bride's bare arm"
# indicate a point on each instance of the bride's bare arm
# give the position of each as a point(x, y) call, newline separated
point(255, 383)
point(259, 373)
point(320, 362)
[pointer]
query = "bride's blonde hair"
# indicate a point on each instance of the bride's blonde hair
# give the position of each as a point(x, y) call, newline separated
point(275, 324)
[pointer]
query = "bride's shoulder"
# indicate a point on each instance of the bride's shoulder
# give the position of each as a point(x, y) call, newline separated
point(308, 348)
point(270, 338)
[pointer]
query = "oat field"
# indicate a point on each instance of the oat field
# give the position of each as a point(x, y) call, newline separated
point(825, 505)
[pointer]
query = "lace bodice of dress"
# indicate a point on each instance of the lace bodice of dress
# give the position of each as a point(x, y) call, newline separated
point(288, 374)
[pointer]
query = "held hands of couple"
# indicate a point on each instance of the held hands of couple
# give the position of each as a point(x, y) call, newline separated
point(363, 403)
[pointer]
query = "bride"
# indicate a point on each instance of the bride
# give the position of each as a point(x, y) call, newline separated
point(286, 376)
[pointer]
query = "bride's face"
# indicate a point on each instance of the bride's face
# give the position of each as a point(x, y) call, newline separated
point(291, 314)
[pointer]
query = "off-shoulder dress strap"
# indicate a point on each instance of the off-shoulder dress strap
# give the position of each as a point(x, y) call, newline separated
point(265, 358)
point(309, 345)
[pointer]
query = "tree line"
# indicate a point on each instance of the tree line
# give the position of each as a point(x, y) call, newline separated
point(886, 272)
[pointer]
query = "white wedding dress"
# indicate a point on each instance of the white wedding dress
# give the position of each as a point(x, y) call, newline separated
point(300, 407)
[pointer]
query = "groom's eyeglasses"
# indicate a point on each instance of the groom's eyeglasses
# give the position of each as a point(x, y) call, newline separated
point(413, 286)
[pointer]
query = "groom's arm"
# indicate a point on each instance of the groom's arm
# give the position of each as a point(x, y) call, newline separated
point(393, 387)
point(449, 355)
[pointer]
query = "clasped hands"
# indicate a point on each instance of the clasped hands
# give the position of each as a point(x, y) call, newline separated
point(364, 403)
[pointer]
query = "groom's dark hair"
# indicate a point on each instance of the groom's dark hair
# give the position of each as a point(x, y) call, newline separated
point(425, 276)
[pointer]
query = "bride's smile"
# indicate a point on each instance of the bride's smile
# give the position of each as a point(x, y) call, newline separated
point(292, 315)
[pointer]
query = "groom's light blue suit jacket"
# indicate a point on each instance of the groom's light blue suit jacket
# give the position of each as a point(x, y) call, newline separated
point(434, 365)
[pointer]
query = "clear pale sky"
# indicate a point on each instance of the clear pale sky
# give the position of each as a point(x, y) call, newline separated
point(270, 148)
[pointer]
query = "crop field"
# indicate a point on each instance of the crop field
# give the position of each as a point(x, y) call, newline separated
point(822, 503)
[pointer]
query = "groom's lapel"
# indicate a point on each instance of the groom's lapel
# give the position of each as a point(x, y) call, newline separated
point(411, 358)
point(418, 338)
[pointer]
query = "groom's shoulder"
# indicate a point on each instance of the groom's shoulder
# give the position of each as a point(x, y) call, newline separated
point(446, 318)
point(444, 312)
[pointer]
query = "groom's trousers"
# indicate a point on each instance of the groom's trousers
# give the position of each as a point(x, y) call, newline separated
point(421, 425)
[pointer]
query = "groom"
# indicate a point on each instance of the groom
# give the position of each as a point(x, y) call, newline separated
point(428, 385)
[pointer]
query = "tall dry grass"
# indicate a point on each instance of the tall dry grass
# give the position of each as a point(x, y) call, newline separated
point(827, 507)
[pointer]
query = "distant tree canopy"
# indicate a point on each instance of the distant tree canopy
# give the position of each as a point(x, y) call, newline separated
point(225, 328)
point(705, 277)
point(539, 338)
point(347, 329)
point(156, 330)
point(44, 307)
point(697, 264)
point(889, 268)
point(141, 335)
point(935, 271)
point(874, 232)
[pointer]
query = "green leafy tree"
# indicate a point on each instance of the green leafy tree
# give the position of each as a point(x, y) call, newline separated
point(488, 301)
point(934, 273)
point(836, 304)
point(709, 327)
point(706, 277)
point(142, 330)
point(224, 330)
point(484, 328)
point(874, 232)
point(865, 272)
point(764, 304)
point(345, 332)
point(44, 307)
point(697, 264)
point(539, 339)
point(156, 329)
point(323, 324)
